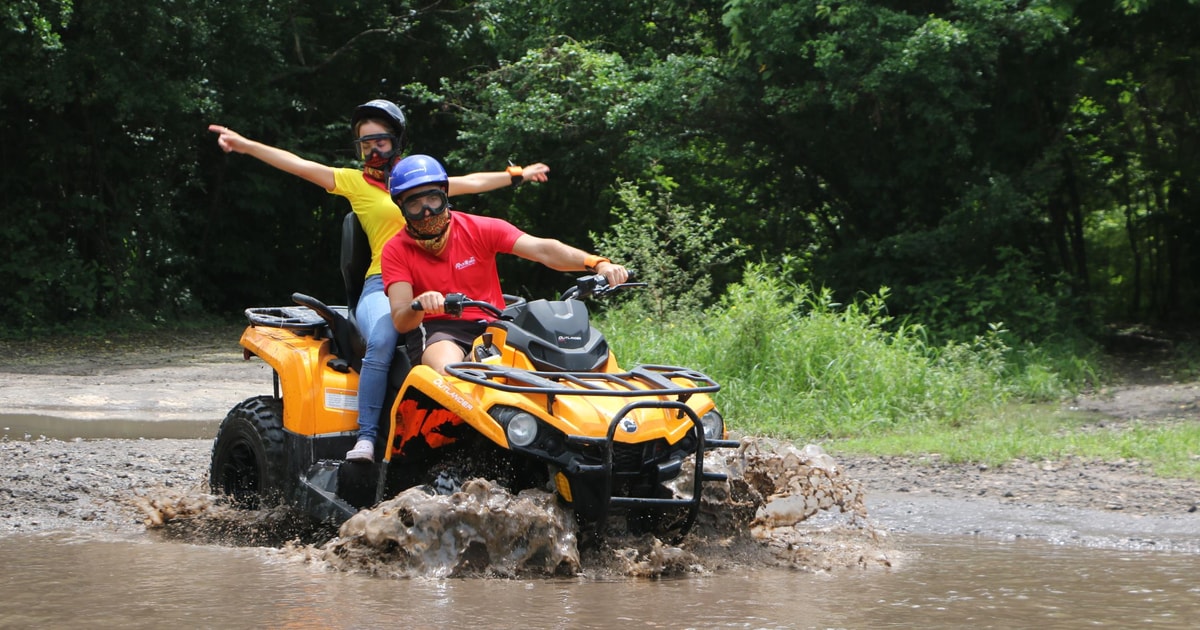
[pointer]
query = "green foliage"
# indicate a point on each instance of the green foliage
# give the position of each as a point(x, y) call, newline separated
point(672, 248)
point(1133, 143)
point(105, 160)
point(1032, 163)
point(1054, 368)
point(793, 362)
point(552, 105)
point(931, 157)
point(118, 204)
point(594, 115)
point(963, 306)
point(1039, 433)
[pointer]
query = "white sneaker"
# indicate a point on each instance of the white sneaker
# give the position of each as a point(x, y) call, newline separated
point(363, 451)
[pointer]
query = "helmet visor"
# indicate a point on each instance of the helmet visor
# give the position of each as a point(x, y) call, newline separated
point(416, 205)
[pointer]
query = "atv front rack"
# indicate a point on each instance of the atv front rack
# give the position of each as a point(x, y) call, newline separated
point(643, 380)
point(700, 475)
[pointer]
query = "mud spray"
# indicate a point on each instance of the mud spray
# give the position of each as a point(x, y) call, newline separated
point(782, 506)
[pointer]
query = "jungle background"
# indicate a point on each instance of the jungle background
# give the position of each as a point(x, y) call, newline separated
point(977, 164)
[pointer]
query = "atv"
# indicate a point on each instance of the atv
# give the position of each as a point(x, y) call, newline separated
point(541, 403)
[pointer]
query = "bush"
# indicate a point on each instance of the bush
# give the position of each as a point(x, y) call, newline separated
point(794, 363)
point(672, 248)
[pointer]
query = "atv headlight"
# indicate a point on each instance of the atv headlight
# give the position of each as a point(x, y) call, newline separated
point(714, 425)
point(521, 429)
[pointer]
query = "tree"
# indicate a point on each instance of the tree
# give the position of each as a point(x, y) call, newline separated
point(924, 134)
point(1135, 153)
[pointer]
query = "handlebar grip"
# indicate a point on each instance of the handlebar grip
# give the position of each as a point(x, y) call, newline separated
point(453, 305)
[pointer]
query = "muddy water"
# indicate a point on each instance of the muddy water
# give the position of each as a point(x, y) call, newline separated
point(942, 582)
point(28, 426)
point(1032, 568)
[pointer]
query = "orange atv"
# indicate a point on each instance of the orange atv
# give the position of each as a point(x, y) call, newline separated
point(543, 403)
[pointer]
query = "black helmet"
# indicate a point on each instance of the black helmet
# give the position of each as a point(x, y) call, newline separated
point(386, 111)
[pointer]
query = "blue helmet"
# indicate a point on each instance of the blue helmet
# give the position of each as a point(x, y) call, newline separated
point(413, 171)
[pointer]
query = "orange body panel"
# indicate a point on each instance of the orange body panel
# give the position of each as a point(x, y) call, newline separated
point(590, 415)
point(430, 404)
point(301, 362)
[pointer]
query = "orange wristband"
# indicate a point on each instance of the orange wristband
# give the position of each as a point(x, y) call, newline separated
point(591, 261)
point(517, 173)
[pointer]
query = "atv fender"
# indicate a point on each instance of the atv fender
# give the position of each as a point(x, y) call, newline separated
point(303, 359)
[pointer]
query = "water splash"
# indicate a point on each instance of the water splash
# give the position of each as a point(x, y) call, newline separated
point(781, 505)
point(195, 516)
point(481, 530)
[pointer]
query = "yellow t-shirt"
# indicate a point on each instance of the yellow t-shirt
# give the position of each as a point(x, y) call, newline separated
point(379, 216)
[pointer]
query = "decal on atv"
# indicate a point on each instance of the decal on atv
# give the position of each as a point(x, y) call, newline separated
point(422, 419)
point(342, 399)
point(440, 383)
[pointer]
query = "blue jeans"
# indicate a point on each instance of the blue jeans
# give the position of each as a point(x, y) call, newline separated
point(374, 314)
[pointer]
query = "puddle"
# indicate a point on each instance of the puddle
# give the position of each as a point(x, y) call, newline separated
point(28, 426)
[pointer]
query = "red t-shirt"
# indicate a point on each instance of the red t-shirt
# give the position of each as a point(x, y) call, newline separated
point(467, 265)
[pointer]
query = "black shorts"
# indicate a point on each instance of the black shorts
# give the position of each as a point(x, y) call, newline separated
point(459, 331)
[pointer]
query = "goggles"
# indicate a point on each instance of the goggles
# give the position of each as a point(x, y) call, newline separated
point(368, 143)
point(415, 206)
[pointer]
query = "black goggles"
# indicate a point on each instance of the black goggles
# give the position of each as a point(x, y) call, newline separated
point(415, 206)
point(365, 144)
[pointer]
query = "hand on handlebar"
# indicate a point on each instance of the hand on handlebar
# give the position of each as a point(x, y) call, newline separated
point(435, 303)
point(614, 273)
point(430, 302)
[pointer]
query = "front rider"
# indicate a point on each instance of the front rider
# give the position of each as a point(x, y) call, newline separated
point(440, 251)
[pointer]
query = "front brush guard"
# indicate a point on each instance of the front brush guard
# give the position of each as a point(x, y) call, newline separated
point(641, 381)
point(605, 469)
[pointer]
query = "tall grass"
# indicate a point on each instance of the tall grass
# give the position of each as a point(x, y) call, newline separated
point(793, 363)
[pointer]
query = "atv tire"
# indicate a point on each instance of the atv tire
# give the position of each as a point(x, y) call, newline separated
point(248, 460)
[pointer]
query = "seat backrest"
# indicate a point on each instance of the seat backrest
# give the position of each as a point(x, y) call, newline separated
point(356, 258)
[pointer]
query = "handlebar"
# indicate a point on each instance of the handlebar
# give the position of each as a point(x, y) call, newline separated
point(585, 286)
point(595, 285)
point(456, 302)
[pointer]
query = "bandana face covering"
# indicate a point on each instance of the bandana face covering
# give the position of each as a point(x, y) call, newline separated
point(376, 161)
point(431, 232)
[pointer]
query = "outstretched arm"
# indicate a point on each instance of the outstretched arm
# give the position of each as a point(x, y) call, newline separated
point(483, 182)
point(231, 141)
point(557, 255)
